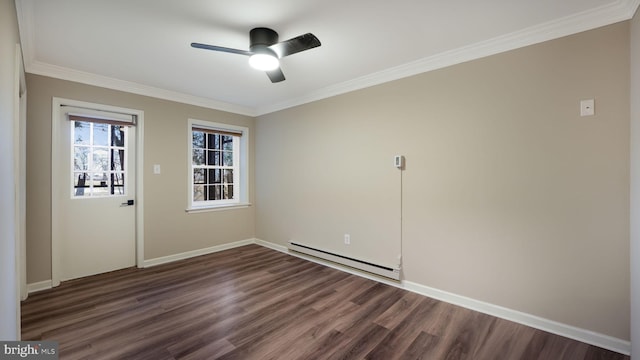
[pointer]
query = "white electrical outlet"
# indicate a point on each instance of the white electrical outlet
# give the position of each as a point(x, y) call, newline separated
point(347, 239)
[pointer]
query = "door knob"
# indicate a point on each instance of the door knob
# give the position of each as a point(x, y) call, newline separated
point(128, 203)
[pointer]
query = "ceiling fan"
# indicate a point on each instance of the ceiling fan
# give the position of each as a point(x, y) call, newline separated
point(265, 50)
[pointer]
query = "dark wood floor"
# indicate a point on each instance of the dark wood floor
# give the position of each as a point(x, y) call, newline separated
point(256, 303)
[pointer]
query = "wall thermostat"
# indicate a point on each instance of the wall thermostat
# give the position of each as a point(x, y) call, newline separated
point(398, 161)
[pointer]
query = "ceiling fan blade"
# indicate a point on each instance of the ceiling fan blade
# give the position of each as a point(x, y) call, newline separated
point(220, 48)
point(275, 75)
point(295, 45)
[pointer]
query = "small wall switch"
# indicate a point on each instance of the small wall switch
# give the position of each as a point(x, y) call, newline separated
point(347, 239)
point(587, 107)
point(156, 169)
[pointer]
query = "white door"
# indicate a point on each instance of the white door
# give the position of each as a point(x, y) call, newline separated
point(95, 218)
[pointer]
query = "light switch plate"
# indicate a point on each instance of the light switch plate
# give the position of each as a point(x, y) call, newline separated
point(587, 107)
point(156, 169)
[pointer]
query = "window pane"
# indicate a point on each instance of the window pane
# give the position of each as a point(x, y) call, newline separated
point(214, 141)
point(228, 158)
point(228, 176)
point(100, 180)
point(101, 160)
point(227, 142)
point(198, 140)
point(81, 131)
point(228, 191)
point(215, 192)
point(81, 158)
point(100, 134)
point(215, 158)
point(118, 160)
point(199, 176)
point(117, 183)
point(198, 193)
point(215, 176)
point(80, 184)
point(198, 157)
point(117, 136)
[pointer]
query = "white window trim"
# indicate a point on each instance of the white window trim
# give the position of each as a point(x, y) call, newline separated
point(243, 201)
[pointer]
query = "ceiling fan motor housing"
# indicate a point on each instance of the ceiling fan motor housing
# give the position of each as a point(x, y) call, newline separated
point(261, 38)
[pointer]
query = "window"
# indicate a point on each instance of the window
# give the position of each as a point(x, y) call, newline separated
point(98, 151)
point(218, 165)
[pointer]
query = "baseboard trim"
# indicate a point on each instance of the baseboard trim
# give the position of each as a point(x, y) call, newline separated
point(38, 286)
point(194, 253)
point(272, 246)
point(554, 327)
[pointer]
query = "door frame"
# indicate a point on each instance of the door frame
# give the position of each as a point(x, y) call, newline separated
point(20, 182)
point(56, 173)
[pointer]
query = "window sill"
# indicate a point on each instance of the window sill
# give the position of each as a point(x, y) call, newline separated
point(217, 208)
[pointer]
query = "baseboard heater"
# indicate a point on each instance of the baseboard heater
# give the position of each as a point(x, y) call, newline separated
point(389, 272)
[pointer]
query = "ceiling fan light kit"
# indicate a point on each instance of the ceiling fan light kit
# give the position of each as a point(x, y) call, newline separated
point(264, 61)
point(265, 50)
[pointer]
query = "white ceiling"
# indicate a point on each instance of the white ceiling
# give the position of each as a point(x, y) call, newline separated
point(143, 46)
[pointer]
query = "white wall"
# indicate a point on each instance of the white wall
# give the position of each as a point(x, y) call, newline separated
point(635, 187)
point(9, 304)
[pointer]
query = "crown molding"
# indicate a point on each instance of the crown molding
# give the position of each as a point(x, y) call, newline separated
point(597, 17)
point(63, 73)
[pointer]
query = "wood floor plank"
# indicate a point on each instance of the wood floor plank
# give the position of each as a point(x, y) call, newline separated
point(422, 347)
point(300, 347)
point(398, 311)
point(325, 346)
point(372, 304)
point(255, 303)
point(506, 340)
point(400, 338)
point(219, 348)
point(361, 343)
point(352, 286)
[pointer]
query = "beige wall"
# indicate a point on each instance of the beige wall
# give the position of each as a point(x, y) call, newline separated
point(9, 303)
point(509, 196)
point(326, 170)
point(635, 186)
point(168, 229)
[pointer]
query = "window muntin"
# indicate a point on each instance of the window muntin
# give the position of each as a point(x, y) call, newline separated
point(98, 166)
